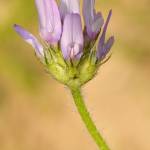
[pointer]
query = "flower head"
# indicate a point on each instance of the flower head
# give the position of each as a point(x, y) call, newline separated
point(72, 37)
point(93, 21)
point(49, 18)
point(68, 55)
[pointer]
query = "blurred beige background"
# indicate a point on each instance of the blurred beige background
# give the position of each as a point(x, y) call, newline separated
point(37, 113)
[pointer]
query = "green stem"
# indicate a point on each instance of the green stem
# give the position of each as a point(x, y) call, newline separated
point(78, 99)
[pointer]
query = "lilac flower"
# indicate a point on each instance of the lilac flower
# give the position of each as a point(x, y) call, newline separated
point(50, 26)
point(68, 52)
point(72, 37)
point(69, 6)
point(68, 56)
point(29, 38)
point(93, 21)
point(50, 23)
point(104, 47)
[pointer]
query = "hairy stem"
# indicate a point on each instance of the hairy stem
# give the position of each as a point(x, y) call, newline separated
point(78, 99)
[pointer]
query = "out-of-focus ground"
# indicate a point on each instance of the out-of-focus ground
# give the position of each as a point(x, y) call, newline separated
point(37, 113)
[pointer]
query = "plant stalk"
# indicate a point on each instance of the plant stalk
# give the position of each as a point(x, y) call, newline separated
point(81, 107)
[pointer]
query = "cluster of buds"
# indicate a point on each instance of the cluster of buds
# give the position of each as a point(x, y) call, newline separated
point(71, 54)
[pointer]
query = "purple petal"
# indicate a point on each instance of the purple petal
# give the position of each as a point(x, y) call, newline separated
point(104, 50)
point(69, 6)
point(72, 36)
point(109, 44)
point(29, 38)
point(93, 21)
point(102, 38)
point(50, 22)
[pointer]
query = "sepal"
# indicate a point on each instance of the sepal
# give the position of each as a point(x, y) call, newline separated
point(87, 67)
point(56, 65)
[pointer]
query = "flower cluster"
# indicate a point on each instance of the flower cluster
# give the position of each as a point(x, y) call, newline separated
point(71, 54)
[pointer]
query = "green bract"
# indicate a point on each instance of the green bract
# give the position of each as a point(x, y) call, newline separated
point(71, 72)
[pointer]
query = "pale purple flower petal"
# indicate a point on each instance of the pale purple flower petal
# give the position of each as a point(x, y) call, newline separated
point(102, 39)
point(72, 37)
point(50, 22)
point(93, 21)
point(69, 6)
point(103, 48)
point(29, 38)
